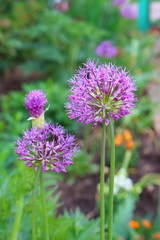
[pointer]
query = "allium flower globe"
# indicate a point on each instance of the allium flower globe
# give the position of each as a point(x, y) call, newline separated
point(35, 102)
point(128, 11)
point(49, 147)
point(100, 91)
point(106, 49)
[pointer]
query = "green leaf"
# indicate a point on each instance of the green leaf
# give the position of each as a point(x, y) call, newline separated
point(91, 230)
point(49, 53)
point(153, 178)
point(123, 216)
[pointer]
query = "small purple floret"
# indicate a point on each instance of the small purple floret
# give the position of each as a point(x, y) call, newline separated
point(49, 147)
point(106, 49)
point(35, 102)
point(128, 11)
point(100, 91)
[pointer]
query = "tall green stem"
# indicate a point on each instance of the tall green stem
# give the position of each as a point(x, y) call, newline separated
point(102, 179)
point(44, 208)
point(34, 205)
point(18, 217)
point(158, 207)
point(111, 180)
point(127, 158)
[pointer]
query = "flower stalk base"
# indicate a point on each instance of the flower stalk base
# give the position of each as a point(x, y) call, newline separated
point(44, 208)
point(102, 180)
point(111, 180)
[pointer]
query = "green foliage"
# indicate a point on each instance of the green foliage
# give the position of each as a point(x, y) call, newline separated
point(122, 217)
point(53, 40)
point(83, 165)
point(16, 186)
point(152, 178)
point(75, 226)
point(65, 227)
point(120, 152)
point(12, 122)
point(58, 40)
point(81, 9)
point(142, 116)
point(84, 159)
point(101, 15)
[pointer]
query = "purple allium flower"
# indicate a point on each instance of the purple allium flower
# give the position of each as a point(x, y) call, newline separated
point(35, 102)
point(49, 147)
point(118, 3)
point(128, 11)
point(106, 49)
point(99, 91)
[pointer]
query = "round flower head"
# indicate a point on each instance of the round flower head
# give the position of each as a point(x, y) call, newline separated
point(49, 147)
point(156, 235)
point(35, 102)
point(106, 49)
point(134, 224)
point(128, 11)
point(100, 91)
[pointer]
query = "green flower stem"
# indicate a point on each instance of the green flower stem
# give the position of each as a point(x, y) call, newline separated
point(18, 217)
point(158, 207)
point(34, 205)
point(102, 179)
point(44, 208)
point(127, 158)
point(111, 180)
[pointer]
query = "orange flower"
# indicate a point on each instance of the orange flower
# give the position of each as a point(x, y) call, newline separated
point(134, 224)
point(127, 135)
point(146, 224)
point(118, 140)
point(156, 235)
point(130, 145)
